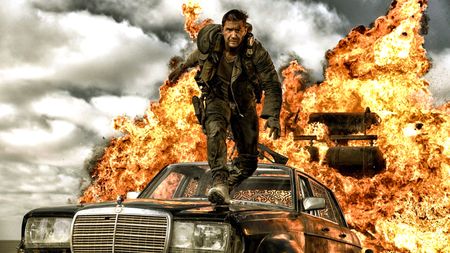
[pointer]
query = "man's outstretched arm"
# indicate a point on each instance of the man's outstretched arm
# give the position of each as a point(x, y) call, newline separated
point(182, 67)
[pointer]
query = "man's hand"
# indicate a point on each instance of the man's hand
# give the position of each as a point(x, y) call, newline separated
point(275, 129)
point(176, 73)
point(177, 68)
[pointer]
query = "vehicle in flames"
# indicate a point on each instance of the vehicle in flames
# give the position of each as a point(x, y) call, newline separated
point(277, 209)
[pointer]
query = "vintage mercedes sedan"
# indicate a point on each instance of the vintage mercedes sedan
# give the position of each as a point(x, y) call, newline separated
point(278, 209)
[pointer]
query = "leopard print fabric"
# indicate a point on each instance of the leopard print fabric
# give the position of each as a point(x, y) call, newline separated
point(275, 197)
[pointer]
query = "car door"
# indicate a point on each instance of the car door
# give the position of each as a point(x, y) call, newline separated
point(351, 241)
point(349, 238)
point(322, 228)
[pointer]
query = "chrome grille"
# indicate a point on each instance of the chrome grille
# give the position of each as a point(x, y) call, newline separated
point(130, 230)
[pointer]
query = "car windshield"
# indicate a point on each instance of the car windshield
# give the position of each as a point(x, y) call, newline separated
point(267, 186)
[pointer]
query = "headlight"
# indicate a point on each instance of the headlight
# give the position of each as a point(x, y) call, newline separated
point(211, 237)
point(47, 232)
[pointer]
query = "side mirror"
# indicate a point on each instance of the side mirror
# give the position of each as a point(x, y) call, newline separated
point(133, 195)
point(313, 203)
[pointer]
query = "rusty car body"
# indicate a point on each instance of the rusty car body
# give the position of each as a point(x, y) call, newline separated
point(277, 209)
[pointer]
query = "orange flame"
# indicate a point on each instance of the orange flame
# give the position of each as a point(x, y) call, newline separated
point(166, 134)
point(406, 208)
point(192, 10)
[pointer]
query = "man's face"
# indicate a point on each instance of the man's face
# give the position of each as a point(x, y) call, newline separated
point(233, 33)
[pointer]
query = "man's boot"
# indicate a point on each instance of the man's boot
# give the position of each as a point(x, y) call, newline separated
point(219, 193)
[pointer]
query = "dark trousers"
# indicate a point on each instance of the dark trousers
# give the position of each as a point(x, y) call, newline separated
point(220, 115)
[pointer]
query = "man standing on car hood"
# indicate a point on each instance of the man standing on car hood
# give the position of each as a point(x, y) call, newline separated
point(234, 70)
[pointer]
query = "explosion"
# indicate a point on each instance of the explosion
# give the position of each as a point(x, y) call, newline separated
point(405, 208)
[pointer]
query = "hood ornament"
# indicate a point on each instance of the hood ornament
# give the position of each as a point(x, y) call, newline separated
point(119, 204)
point(119, 200)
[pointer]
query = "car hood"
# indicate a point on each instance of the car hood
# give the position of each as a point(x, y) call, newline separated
point(173, 206)
point(178, 208)
point(187, 207)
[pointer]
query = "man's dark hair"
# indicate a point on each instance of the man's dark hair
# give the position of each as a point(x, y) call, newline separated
point(235, 15)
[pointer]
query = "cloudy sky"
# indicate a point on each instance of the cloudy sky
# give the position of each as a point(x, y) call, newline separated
point(68, 67)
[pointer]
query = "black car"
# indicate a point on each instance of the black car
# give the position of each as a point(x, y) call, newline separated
point(277, 209)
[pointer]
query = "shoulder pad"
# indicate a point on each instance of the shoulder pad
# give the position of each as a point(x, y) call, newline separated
point(207, 36)
point(203, 57)
point(250, 41)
